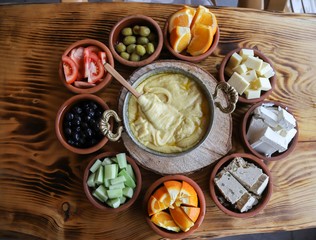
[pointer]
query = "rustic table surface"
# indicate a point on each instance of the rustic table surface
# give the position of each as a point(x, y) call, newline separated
point(41, 193)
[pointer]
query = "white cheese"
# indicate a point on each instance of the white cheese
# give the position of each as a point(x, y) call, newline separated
point(246, 202)
point(240, 69)
point(290, 135)
point(234, 60)
point(269, 74)
point(250, 75)
point(270, 118)
point(265, 84)
point(286, 120)
point(260, 185)
point(266, 67)
point(238, 82)
point(253, 63)
point(256, 127)
point(251, 94)
point(245, 53)
point(264, 148)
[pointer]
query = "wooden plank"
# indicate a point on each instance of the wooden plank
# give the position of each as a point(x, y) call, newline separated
point(41, 194)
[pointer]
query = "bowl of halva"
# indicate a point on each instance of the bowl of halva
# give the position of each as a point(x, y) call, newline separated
point(175, 112)
point(241, 185)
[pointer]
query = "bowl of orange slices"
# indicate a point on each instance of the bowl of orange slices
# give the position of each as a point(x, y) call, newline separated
point(191, 34)
point(174, 206)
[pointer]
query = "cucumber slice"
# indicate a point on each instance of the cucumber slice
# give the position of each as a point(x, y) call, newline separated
point(128, 192)
point(122, 200)
point(91, 182)
point(115, 193)
point(95, 166)
point(99, 176)
point(101, 192)
point(116, 186)
point(97, 197)
point(114, 203)
point(130, 171)
point(106, 183)
point(129, 180)
point(121, 160)
point(106, 161)
point(119, 179)
point(110, 171)
point(114, 159)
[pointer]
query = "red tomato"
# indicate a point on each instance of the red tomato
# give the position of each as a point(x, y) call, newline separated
point(76, 55)
point(94, 49)
point(93, 67)
point(70, 69)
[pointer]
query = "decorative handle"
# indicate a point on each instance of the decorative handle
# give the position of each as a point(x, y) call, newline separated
point(105, 125)
point(232, 97)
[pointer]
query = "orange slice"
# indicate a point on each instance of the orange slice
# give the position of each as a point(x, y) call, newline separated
point(162, 195)
point(182, 18)
point(204, 16)
point(192, 212)
point(187, 190)
point(191, 201)
point(173, 188)
point(155, 206)
point(164, 220)
point(202, 39)
point(180, 38)
point(181, 219)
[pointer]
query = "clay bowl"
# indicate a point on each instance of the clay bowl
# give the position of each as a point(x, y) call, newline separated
point(244, 128)
point(242, 98)
point(185, 56)
point(265, 195)
point(106, 79)
point(60, 118)
point(170, 234)
point(103, 206)
point(130, 21)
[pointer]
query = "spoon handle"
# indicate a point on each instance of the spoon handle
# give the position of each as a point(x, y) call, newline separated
point(119, 78)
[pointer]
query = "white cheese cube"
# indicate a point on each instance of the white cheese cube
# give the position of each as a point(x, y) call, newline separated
point(252, 94)
point(266, 67)
point(255, 84)
point(274, 140)
point(265, 84)
point(246, 202)
point(240, 69)
point(286, 120)
point(269, 74)
point(245, 53)
point(269, 117)
point(250, 75)
point(234, 60)
point(256, 126)
point(253, 63)
point(264, 148)
point(228, 71)
point(290, 135)
point(238, 82)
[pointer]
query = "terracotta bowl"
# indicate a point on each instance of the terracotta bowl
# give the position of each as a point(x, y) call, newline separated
point(130, 21)
point(103, 206)
point(61, 117)
point(242, 98)
point(107, 78)
point(265, 195)
point(244, 128)
point(166, 233)
point(185, 56)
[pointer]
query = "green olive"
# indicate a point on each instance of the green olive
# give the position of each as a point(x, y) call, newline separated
point(140, 50)
point(127, 31)
point(152, 37)
point(125, 55)
point(131, 48)
point(120, 47)
point(144, 31)
point(129, 40)
point(134, 57)
point(142, 40)
point(150, 48)
point(136, 29)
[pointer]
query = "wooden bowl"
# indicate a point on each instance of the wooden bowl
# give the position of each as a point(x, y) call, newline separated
point(265, 195)
point(244, 128)
point(108, 77)
point(185, 56)
point(141, 20)
point(60, 120)
point(104, 206)
point(166, 233)
point(224, 78)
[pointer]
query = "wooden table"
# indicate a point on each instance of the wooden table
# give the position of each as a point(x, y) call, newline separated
point(41, 194)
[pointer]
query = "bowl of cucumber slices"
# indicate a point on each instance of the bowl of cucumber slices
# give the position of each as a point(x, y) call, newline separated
point(112, 181)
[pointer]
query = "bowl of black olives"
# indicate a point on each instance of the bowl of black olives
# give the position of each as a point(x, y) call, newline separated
point(84, 124)
point(136, 40)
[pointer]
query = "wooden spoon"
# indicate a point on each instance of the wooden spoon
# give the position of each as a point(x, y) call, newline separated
point(119, 78)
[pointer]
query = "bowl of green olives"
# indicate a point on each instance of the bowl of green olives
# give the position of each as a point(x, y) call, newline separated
point(136, 40)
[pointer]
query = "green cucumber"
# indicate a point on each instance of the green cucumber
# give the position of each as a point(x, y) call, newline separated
point(122, 200)
point(97, 197)
point(114, 203)
point(128, 192)
point(116, 186)
point(106, 183)
point(129, 180)
point(99, 176)
point(110, 171)
point(114, 193)
point(95, 166)
point(91, 182)
point(119, 179)
point(121, 160)
point(106, 161)
point(101, 192)
point(130, 171)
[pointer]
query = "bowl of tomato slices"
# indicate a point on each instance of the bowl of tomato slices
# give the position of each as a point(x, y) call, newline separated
point(81, 67)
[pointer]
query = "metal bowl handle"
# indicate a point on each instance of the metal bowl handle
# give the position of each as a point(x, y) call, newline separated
point(231, 94)
point(105, 125)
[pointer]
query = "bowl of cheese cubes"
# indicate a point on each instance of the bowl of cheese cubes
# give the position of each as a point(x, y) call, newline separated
point(250, 72)
point(112, 181)
point(269, 130)
point(241, 185)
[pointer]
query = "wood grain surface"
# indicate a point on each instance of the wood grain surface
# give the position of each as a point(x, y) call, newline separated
point(41, 193)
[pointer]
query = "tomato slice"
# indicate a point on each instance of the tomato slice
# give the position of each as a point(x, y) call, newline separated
point(94, 49)
point(93, 67)
point(70, 69)
point(76, 55)
point(102, 56)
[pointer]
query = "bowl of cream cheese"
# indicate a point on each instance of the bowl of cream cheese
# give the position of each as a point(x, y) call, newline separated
point(175, 112)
